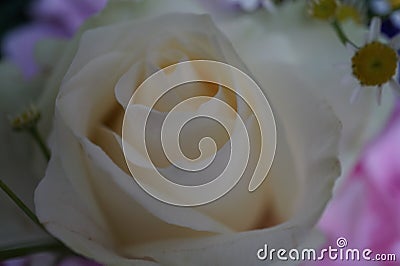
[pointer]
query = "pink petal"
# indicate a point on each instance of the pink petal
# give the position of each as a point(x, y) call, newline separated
point(366, 208)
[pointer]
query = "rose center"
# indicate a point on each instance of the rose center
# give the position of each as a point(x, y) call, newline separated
point(374, 64)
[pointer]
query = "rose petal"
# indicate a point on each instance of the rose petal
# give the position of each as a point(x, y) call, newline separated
point(91, 234)
point(314, 151)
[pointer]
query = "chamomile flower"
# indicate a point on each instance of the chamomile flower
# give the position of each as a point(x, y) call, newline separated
point(330, 10)
point(252, 5)
point(351, 10)
point(375, 63)
point(323, 9)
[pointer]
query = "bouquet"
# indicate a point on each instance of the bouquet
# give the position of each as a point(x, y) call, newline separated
point(194, 132)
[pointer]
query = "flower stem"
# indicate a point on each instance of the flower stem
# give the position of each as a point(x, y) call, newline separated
point(341, 34)
point(18, 251)
point(38, 138)
point(20, 204)
point(27, 121)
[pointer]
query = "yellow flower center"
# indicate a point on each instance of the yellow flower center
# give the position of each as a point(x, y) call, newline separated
point(394, 3)
point(322, 9)
point(374, 64)
point(26, 120)
point(347, 12)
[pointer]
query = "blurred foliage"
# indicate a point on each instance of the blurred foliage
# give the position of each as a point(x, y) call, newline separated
point(13, 13)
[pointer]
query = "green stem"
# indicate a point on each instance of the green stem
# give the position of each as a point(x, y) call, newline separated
point(38, 138)
point(341, 35)
point(20, 204)
point(18, 251)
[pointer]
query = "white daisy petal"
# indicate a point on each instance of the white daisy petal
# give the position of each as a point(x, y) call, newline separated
point(395, 18)
point(374, 29)
point(394, 85)
point(381, 7)
point(351, 48)
point(379, 95)
point(395, 42)
point(269, 5)
point(346, 80)
point(342, 66)
point(249, 5)
point(355, 94)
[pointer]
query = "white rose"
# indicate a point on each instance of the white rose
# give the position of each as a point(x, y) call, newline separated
point(89, 200)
